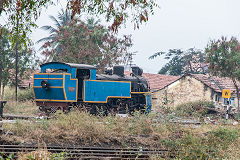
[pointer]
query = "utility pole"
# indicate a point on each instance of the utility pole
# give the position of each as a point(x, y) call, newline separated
point(131, 59)
point(16, 64)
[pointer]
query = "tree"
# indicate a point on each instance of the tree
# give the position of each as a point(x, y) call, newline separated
point(223, 57)
point(115, 12)
point(22, 15)
point(7, 58)
point(182, 62)
point(88, 43)
point(63, 19)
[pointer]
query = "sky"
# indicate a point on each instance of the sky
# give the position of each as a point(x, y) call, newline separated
point(177, 24)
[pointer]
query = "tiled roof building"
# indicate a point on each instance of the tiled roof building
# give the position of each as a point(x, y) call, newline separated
point(216, 83)
point(157, 81)
point(193, 87)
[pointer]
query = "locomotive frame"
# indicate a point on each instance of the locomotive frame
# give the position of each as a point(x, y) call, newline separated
point(79, 85)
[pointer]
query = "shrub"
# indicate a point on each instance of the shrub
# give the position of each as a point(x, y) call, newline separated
point(197, 108)
point(78, 128)
point(225, 135)
point(209, 146)
point(237, 116)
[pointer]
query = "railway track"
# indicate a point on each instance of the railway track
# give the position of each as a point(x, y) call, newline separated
point(87, 152)
point(12, 117)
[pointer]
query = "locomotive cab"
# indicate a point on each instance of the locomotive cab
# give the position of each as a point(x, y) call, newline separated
point(82, 74)
point(58, 83)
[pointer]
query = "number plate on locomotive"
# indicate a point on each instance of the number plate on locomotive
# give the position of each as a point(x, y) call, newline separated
point(71, 89)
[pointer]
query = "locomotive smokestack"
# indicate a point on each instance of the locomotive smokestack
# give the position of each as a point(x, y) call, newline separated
point(118, 70)
point(137, 71)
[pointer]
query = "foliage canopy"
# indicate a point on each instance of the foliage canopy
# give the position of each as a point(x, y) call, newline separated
point(93, 44)
point(223, 57)
point(182, 62)
point(7, 58)
point(25, 13)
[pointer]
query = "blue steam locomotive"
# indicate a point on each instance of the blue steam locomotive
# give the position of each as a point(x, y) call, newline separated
point(65, 85)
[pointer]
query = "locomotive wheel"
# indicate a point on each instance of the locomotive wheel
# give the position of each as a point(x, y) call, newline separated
point(50, 111)
point(94, 109)
point(83, 107)
point(102, 110)
point(122, 106)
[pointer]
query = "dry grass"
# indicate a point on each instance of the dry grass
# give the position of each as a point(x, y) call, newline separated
point(23, 94)
point(27, 108)
point(206, 141)
point(83, 128)
point(80, 128)
point(41, 154)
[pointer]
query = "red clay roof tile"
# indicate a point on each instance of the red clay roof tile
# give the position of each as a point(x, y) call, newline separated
point(216, 83)
point(158, 81)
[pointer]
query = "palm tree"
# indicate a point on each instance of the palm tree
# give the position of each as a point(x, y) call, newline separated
point(92, 23)
point(63, 18)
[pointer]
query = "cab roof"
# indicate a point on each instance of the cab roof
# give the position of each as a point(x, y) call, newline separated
point(72, 65)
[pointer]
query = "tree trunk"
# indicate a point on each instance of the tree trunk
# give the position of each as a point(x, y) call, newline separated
point(237, 90)
point(1, 5)
point(1, 64)
point(0, 78)
point(3, 87)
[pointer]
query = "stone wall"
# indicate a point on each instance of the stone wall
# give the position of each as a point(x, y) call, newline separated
point(186, 89)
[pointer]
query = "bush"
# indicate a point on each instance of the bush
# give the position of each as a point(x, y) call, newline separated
point(209, 146)
point(225, 135)
point(78, 128)
point(237, 116)
point(41, 154)
point(197, 108)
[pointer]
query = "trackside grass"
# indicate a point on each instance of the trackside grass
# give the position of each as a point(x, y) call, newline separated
point(25, 105)
point(205, 141)
point(80, 128)
point(25, 108)
point(83, 128)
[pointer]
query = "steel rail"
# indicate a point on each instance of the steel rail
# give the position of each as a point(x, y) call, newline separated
point(88, 152)
point(12, 117)
point(79, 147)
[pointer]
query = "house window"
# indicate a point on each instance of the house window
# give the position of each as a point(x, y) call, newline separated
point(219, 96)
point(225, 101)
point(232, 101)
point(205, 88)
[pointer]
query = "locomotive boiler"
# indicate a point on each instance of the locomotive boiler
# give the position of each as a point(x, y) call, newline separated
point(66, 85)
